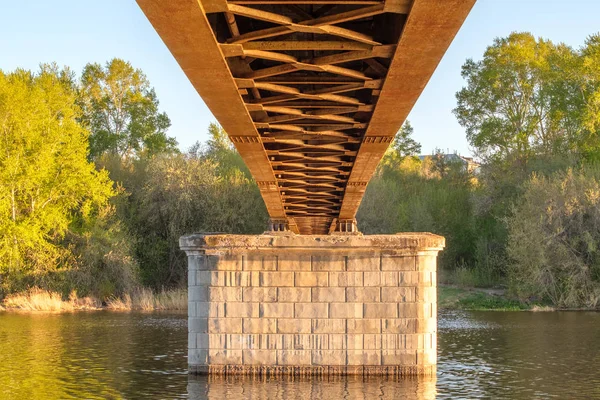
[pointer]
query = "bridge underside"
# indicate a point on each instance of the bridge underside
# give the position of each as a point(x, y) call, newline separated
point(311, 92)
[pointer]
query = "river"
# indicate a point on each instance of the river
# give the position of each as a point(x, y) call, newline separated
point(109, 355)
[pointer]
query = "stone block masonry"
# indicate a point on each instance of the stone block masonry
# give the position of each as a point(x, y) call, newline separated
point(312, 305)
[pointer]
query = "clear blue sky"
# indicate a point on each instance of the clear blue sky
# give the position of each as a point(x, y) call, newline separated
point(75, 32)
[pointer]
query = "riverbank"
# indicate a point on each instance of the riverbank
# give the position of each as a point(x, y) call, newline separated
point(142, 299)
point(478, 299)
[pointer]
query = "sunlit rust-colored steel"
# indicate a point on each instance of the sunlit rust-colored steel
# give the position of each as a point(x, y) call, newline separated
point(311, 92)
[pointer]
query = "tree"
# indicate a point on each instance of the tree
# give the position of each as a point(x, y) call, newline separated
point(404, 145)
point(45, 177)
point(186, 193)
point(410, 198)
point(221, 151)
point(121, 110)
point(522, 99)
point(554, 239)
point(590, 83)
point(401, 147)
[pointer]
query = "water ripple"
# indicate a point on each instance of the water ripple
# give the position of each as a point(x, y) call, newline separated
point(104, 355)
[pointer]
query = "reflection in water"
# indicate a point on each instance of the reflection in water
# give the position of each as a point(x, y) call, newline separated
point(104, 355)
point(91, 355)
point(317, 388)
point(507, 355)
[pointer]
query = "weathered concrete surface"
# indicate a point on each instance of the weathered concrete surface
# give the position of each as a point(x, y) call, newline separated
point(288, 304)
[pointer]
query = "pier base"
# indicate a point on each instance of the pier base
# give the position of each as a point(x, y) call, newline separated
point(312, 305)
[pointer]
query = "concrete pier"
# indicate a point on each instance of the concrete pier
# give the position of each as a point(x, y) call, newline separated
point(312, 305)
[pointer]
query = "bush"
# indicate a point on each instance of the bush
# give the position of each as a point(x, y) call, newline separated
point(182, 194)
point(45, 177)
point(554, 239)
point(103, 256)
point(36, 299)
point(420, 197)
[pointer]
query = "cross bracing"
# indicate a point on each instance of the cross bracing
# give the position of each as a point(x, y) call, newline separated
point(311, 92)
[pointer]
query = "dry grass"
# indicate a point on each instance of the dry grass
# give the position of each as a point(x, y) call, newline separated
point(542, 308)
point(141, 299)
point(175, 300)
point(146, 300)
point(119, 303)
point(42, 300)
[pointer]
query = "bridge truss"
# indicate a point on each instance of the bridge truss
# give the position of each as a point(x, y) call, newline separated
point(311, 92)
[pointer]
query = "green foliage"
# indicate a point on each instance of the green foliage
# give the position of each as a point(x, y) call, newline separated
point(121, 110)
point(220, 150)
point(469, 299)
point(413, 197)
point(481, 301)
point(589, 79)
point(58, 229)
point(530, 108)
point(402, 146)
point(500, 184)
point(103, 256)
point(522, 99)
point(554, 239)
point(168, 196)
point(45, 178)
point(475, 275)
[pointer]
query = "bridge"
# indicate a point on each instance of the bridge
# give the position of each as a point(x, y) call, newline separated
point(311, 92)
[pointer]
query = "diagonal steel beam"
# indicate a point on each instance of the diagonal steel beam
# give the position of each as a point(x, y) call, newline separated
point(411, 68)
point(312, 105)
point(185, 30)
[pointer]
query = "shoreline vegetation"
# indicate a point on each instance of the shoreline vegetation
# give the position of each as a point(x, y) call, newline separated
point(94, 194)
point(141, 299)
point(450, 297)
